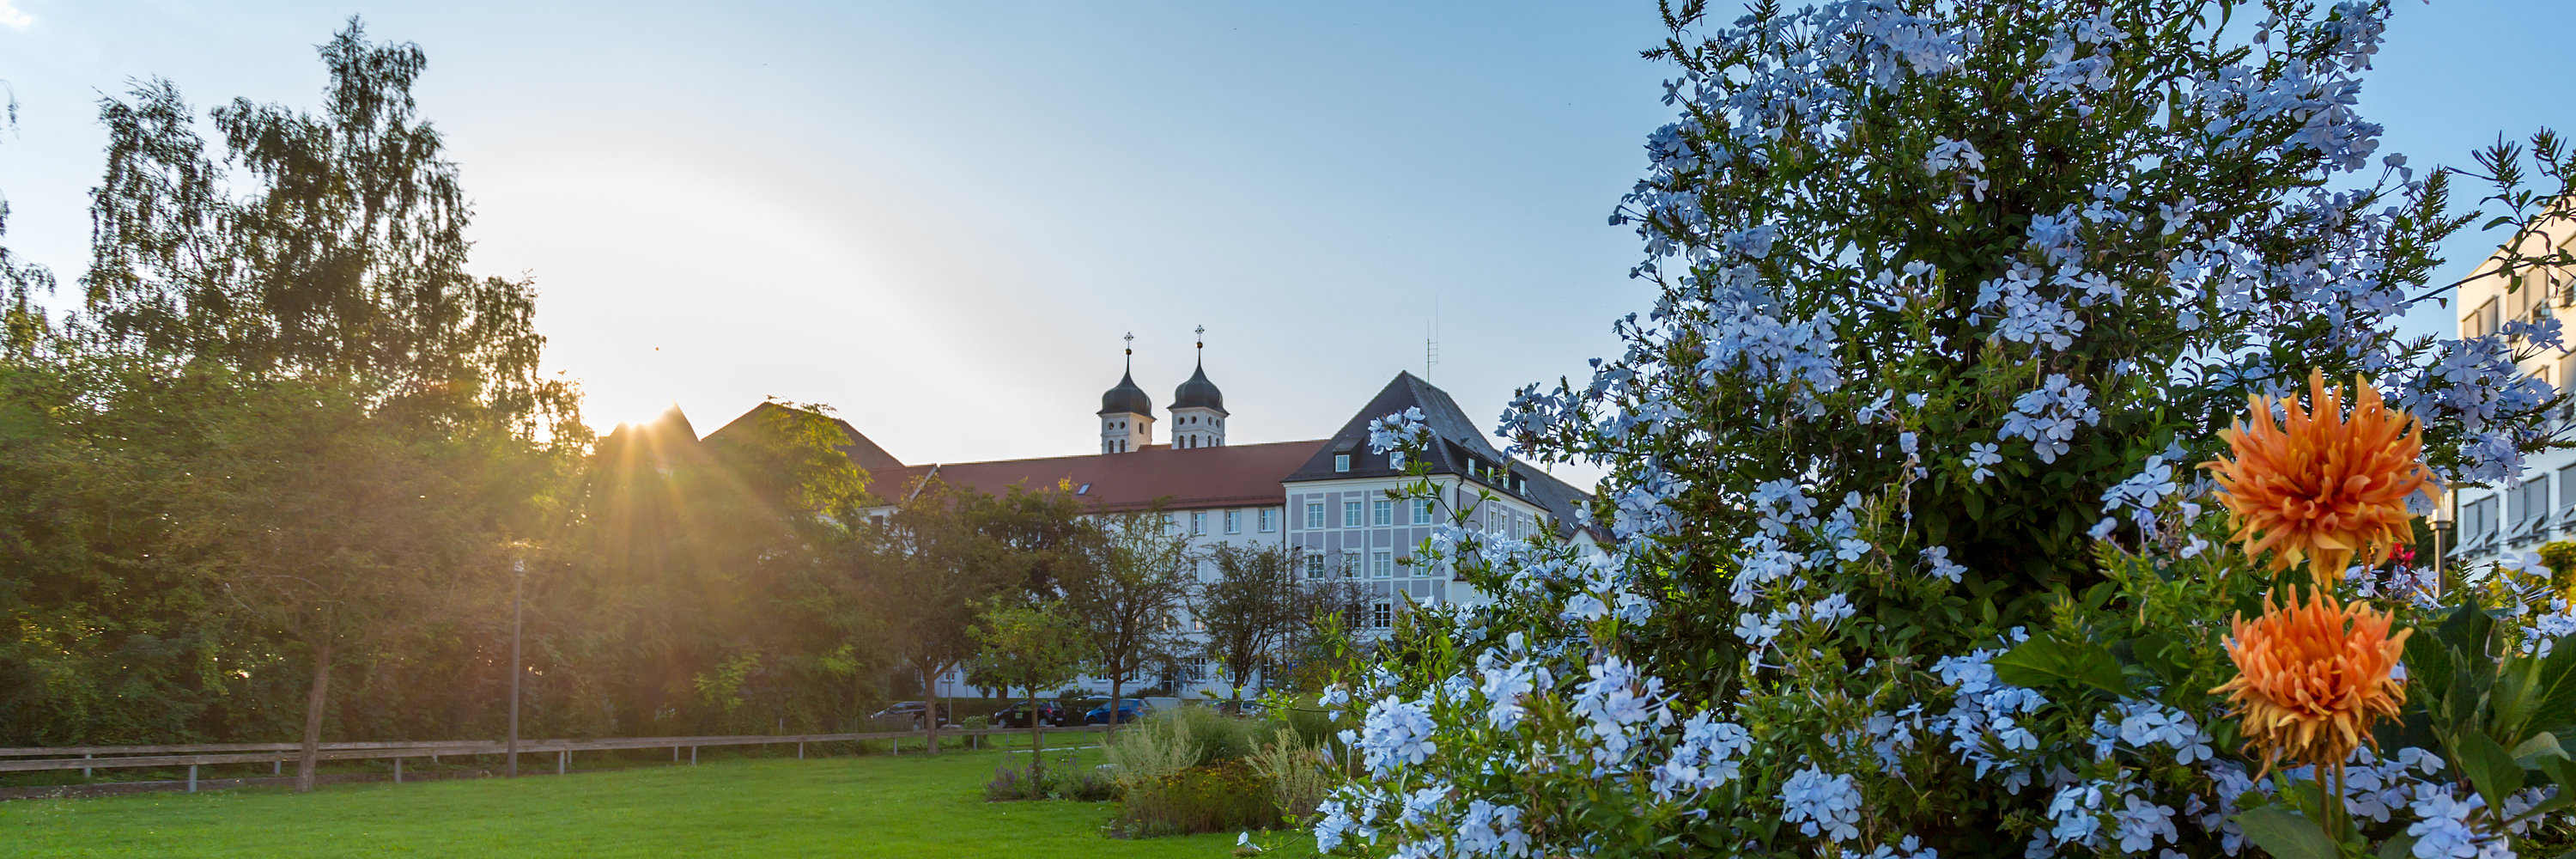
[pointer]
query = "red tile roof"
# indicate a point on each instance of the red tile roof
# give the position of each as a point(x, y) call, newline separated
point(1245, 475)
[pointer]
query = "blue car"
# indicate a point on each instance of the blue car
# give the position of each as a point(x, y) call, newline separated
point(1129, 710)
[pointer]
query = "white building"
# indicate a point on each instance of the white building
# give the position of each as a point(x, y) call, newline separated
point(1322, 500)
point(2490, 519)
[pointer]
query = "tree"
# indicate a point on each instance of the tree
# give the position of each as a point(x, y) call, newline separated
point(1032, 644)
point(1951, 297)
point(1251, 610)
point(929, 567)
point(339, 528)
point(348, 261)
point(1129, 597)
point(350, 356)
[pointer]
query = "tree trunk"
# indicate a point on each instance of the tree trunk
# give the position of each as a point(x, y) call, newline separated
point(314, 702)
point(1114, 684)
point(930, 706)
point(1037, 740)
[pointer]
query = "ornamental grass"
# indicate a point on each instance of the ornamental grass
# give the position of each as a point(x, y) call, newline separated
point(2319, 486)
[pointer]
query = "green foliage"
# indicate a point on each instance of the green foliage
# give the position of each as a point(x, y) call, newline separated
point(2501, 716)
point(1154, 749)
point(1224, 797)
point(1133, 577)
point(2560, 557)
point(1295, 770)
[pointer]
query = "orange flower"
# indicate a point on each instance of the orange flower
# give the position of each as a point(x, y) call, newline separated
point(2320, 487)
point(2311, 679)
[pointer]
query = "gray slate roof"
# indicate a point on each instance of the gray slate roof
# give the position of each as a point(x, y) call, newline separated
point(1459, 445)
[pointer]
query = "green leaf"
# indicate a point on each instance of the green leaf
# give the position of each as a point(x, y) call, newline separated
point(2044, 661)
point(2555, 690)
point(2561, 771)
point(2468, 628)
point(2155, 650)
point(2287, 835)
point(2402, 846)
point(2489, 767)
point(2540, 745)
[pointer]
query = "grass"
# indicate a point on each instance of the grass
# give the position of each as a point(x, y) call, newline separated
point(912, 805)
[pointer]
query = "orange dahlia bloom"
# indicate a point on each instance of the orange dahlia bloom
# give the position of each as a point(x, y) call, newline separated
point(2311, 679)
point(2319, 486)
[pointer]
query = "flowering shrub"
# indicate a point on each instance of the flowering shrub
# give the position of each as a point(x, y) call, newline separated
point(1904, 552)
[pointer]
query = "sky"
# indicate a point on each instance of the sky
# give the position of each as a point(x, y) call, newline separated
point(940, 218)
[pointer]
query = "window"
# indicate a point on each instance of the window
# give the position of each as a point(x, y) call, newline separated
point(1350, 563)
point(2566, 412)
point(1269, 520)
point(2530, 511)
point(1234, 521)
point(1350, 514)
point(1381, 564)
point(1314, 514)
point(1395, 459)
point(1341, 462)
point(1422, 511)
point(2484, 320)
point(1381, 614)
point(2478, 524)
point(1382, 512)
point(1198, 522)
point(2567, 497)
point(1315, 566)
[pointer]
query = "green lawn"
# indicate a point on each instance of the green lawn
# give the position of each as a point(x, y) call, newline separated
point(912, 805)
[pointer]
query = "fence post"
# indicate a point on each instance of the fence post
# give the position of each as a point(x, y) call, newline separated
point(192, 778)
point(85, 770)
point(277, 767)
point(693, 756)
point(562, 759)
point(397, 770)
point(800, 750)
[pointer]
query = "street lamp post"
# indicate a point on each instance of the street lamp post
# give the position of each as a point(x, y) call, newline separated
point(518, 584)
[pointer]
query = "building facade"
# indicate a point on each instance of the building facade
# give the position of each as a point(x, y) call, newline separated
point(2489, 520)
point(1322, 501)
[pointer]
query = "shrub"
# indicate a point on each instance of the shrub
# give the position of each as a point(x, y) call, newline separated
point(1220, 737)
point(1087, 786)
point(1011, 785)
point(2560, 557)
point(1151, 750)
point(1294, 772)
point(1220, 797)
point(1314, 727)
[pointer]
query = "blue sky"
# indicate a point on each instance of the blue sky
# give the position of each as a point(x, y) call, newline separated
point(940, 217)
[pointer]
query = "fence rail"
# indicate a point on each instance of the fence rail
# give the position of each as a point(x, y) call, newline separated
point(192, 756)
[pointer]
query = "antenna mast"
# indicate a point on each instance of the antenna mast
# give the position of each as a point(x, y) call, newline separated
point(1431, 341)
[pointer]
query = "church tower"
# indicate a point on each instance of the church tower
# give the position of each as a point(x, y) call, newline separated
point(1198, 408)
point(1126, 414)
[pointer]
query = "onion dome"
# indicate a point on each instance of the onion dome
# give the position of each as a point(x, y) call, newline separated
point(1126, 398)
point(1199, 393)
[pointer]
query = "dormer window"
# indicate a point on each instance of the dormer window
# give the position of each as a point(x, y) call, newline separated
point(1341, 462)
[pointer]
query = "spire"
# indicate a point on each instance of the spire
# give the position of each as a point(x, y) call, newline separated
point(1198, 392)
point(1127, 398)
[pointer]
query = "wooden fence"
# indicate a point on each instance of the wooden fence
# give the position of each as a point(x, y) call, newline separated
point(278, 754)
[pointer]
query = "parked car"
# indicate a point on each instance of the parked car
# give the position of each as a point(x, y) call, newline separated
point(1249, 708)
point(1017, 715)
point(909, 711)
point(1129, 710)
